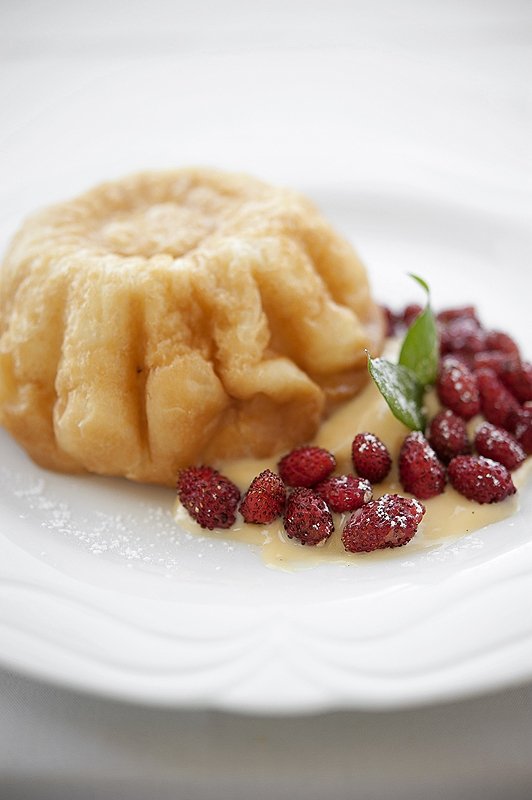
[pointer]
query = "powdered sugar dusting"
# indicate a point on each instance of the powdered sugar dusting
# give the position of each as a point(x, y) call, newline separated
point(108, 519)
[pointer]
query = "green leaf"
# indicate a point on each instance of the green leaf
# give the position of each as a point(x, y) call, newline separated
point(421, 282)
point(401, 389)
point(420, 346)
point(403, 385)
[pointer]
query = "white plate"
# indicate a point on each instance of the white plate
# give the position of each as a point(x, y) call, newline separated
point(99, 589)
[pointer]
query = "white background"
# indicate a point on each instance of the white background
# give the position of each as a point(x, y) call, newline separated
point(55, 743)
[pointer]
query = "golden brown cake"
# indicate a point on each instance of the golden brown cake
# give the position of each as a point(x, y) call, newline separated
point(176, 317)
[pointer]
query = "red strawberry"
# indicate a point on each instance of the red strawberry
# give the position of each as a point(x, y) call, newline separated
point(410, 314)
point(467, 359)
point(391, 319)
point(462, 335)
point(306, 466)
point(457, 388)
point(496, 401)
point(447, 435)
point(265, 498)
point(518, 379)
point(480, 479)
point(520, 422)
point(498, 340)
point(307, 517)
point(498, 444)
point(371, 458)
point(450, 314)
point(495, 360)
point(344, 492)
point(420, 471)
point(390, 521)
point(210, 498)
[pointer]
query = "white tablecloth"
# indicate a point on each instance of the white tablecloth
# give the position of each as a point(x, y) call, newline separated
point(56, 744)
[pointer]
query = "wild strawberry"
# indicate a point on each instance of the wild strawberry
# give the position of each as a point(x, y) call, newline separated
point(210, 498)
point(447, 435)
point(463, 334)
point(461, 312)
point(420, 471)
point(265, 498)
point(306, 466)
point(498, 340)
point(457, 388)
point(520, 423)
point(410, 314)
point(518, 379)
point(467, 359)
point(499, 445)
point(496, 401)
point(391, 320)
point(480, 479)
point(371, 458)
point(344, 492)
point(307, 517)
point(496, 360)
point(389, 521)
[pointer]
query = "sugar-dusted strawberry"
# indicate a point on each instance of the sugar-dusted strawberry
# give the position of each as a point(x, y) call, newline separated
point(420, 471)
point(389, 521)
point(306, 466)
point(371, 458)
point(496, 401)
point(498, 340)
point(518, 379)
point(457, 387)
point(480, 479)
point(460, 312)
point(307, 517)
point(447, 435)
point(344, 492)
point(209, 497)
point(463, 334)
point(520, 423)
point(499, 445)
point(467, 359)
point(265, 499)
point(496, 360)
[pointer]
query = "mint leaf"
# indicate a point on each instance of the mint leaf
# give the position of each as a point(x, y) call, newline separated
point(401, 389)
point(421, 282)
point(403, 385)
point(420, 346)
